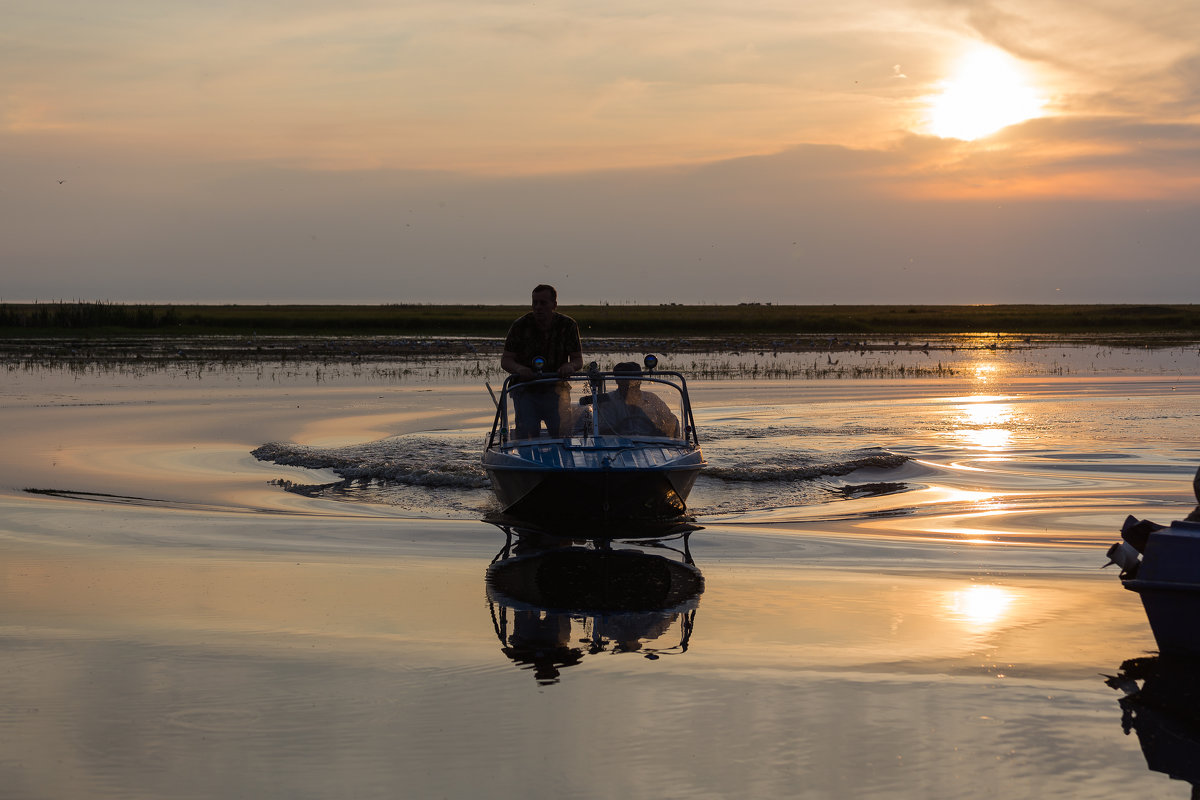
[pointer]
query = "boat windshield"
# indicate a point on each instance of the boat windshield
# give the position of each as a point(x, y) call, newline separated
point(588, 406)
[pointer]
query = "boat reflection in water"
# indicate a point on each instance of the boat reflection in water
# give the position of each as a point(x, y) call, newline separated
point(556, 599)
point(1162, 703)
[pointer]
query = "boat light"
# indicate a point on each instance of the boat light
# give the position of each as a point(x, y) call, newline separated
point(651, 361)
point(538, 364)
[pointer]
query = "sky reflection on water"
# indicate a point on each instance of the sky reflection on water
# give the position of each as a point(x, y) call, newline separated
point(174, 622)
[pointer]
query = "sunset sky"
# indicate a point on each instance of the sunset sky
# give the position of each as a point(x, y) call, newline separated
point(709, 151)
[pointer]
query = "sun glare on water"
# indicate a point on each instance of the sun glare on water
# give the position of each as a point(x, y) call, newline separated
point(986, 93)
point(980, 606)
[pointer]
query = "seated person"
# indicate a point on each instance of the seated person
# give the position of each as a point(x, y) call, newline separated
point(630, 411)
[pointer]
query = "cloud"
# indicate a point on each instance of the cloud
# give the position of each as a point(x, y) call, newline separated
point(467, 85)
point(675, 152)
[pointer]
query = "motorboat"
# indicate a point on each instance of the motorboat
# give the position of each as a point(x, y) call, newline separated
point(1162, 564)
point(618, 446)
point(556, 598)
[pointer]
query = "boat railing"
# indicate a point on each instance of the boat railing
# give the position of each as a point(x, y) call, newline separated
point(587, 429)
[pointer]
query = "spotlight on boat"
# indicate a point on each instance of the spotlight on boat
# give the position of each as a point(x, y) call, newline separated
point(538, 364)
point(651, 361)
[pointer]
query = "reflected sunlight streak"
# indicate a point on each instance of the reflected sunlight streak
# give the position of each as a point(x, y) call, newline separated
point(979, 606)
point(985, 438)
point(993, 416)
point(986, 413)
point(984, 371)
point(988, 420)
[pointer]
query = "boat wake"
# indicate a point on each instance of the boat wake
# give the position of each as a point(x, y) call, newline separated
point(439, 474)
point(447, 460)
point(800, 466)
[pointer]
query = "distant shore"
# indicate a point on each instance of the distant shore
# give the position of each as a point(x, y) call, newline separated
point(85, 335)
point(85, 320)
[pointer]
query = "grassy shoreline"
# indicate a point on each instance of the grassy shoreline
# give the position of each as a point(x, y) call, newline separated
point(97, 320)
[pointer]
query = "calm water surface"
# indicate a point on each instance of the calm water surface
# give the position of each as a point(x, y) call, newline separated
point(270, 581)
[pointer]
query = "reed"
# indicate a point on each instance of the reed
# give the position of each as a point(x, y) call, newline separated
point(93, 319)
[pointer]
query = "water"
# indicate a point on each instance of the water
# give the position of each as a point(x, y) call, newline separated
point(268, 579)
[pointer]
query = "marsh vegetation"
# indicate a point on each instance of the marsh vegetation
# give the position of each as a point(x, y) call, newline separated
point(745, 319)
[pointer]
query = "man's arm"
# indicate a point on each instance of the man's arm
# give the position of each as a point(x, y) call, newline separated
point(575, 358)
point(509, 363)
point(573, 364)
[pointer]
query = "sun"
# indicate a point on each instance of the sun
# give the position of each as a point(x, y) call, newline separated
point(986, 93)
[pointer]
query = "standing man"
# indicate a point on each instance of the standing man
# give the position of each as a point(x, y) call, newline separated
point(555, 337)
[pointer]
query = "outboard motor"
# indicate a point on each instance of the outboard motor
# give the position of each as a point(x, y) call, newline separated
point(1136, 532)
point(1125, 556)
